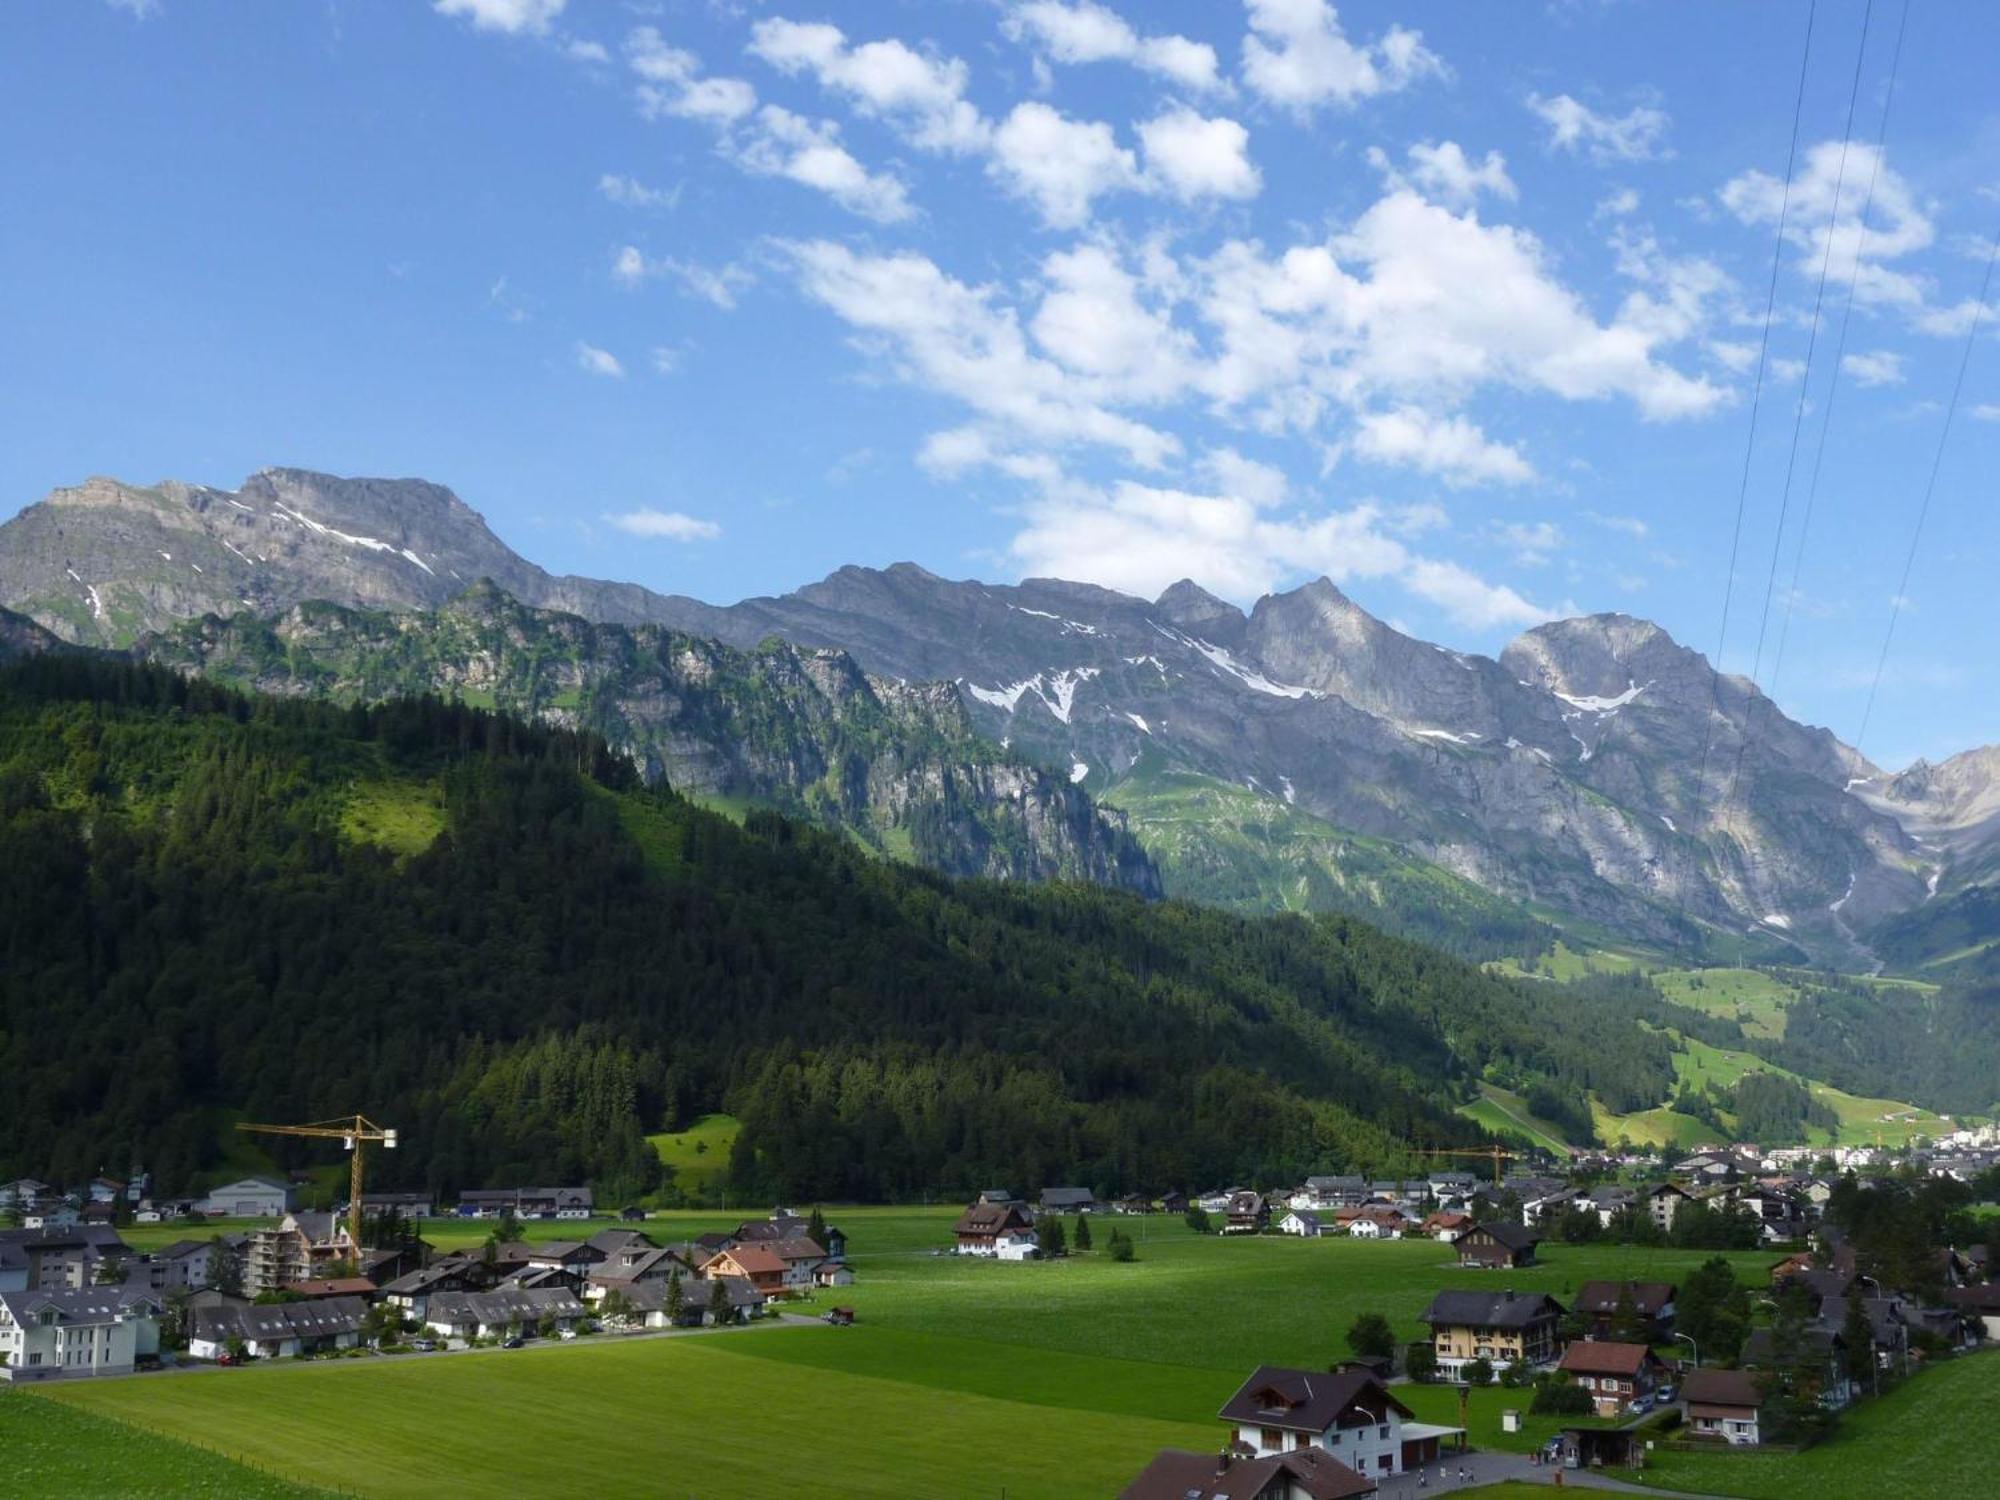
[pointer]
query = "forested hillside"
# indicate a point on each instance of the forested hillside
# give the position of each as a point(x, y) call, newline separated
point(494, 936)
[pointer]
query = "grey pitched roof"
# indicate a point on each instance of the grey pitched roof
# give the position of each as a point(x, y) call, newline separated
point(321, 1317)
point(1470, 1309)
point(90, 1304)
point(1304, 1400)
point(1067, 1197)
point(505, 1305)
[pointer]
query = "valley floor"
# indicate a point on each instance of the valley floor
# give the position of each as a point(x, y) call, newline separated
point(960, 1378)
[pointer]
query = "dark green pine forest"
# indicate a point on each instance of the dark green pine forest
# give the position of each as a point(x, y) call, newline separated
point(493, 935)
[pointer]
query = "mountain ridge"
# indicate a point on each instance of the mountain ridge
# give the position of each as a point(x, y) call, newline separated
point(1596, 768)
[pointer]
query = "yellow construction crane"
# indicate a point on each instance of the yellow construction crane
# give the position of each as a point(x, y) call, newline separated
point(356, 1132)
point(1496, 1154)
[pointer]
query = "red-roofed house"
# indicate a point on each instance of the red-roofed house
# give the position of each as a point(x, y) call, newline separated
point(1616, 1375)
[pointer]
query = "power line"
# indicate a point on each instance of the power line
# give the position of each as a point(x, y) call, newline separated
point(1930, 486)
point(1756, 398)
point(1840, 352)
point(1751, 717)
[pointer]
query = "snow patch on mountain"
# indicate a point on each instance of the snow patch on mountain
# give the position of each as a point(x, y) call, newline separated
point(1605, 705)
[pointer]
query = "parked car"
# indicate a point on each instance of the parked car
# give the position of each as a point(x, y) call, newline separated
point(568, 1333)
point(424, 1346)
point(228, 1359)
point(514, 1343)
point(1641, 1405)
point(1665, 1395)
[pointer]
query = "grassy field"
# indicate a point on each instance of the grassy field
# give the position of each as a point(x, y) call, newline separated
point(1505, 1113)
point(65, 1450)
point(960, 1377)
point(699, 1154)
point(1922, 1439)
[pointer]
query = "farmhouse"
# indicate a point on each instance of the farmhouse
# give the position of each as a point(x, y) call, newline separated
point(1502, 1328)
point(1068, 1200)
point(801, 1257)
point(249, 1198)
point(756, 1265)
point(995, 1229)
point(1722, 1405)
point(1248, 1213)
point(1492, 1243)
point(70, 1333)
point(274, 1331)
point(1616, 1375)
point(1304, 1223)
point(1379, 1221)
point(1305, 1474)
point(407, 1205)
point(1652, 1302)
point(1349, 1414)
point(1447, 1225)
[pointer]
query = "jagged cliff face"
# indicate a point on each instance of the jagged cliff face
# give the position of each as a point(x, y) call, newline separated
point(1596, 769)
point(104, 562)
point(798, 728)
point(1568, 773)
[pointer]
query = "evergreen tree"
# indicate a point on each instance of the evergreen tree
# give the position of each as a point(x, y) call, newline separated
point(1420, 1361)
point(1050, 1239)
point(720, 1309)
point(816, 1227)
point(1081, 1238)
point(1121, 1247)
point(1371, 1337)
point(1858, 1335)
point(1627, 1327)
point(676, 1298)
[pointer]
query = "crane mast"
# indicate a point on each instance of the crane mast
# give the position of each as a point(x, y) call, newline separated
point(356, 1131)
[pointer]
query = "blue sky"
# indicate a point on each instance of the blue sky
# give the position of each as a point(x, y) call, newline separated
point(1460, 304)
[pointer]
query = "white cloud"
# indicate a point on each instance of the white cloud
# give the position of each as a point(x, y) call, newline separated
point(1449, 448)
point(1877, 368)
point(1638, 135)
point(674, 84)
point(140, 10)
point(1194, 158)
point(595, 361)
point(664, 359)
point(1470, 599)
point(1231, 473)
point(513, 17)
point(922, 96)
point(718, 286)
point(577, 49)
point(1849, 250)
point(960, 340)
point(1445, 174)
point(1415, 302)
point(1531, 542)
point(629, 192)
point(663, 525)
point(1618, 205)
point(767, 141)
point(1140, 538)
point(1986, 412)
point(1058, 164)
point(1296, 55)
point(1085, 32)
point(1631, 526)
point(1092, 321)
point(808, 152)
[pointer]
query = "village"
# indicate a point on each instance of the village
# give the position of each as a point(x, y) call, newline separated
point(1617, 1365)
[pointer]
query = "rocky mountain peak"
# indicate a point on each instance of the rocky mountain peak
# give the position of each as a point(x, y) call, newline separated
point(1192, 608)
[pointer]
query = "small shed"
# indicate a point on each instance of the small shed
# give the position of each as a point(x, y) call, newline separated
point(1601, 1448)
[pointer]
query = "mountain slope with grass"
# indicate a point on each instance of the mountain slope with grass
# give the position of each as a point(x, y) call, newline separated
point(896, 765)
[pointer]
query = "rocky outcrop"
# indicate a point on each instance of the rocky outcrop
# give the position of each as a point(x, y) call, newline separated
point(802, 729)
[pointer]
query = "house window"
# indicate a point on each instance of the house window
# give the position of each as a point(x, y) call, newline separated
point(1383, 1433)
point(1272, 1438)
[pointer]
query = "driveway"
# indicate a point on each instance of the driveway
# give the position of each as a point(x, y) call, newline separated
point(1497, 1468)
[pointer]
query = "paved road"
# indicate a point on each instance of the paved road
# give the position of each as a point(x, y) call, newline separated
point(1496, 1468)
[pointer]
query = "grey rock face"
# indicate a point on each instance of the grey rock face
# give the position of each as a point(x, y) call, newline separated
point(1597, 767)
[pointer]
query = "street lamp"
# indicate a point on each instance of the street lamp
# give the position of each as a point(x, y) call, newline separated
point(1692, 1345)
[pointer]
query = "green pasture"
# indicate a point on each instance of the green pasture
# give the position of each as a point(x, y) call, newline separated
point(961, 1377)
point(1929, 1437)
point(699, 1155)
point(57, 1448)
